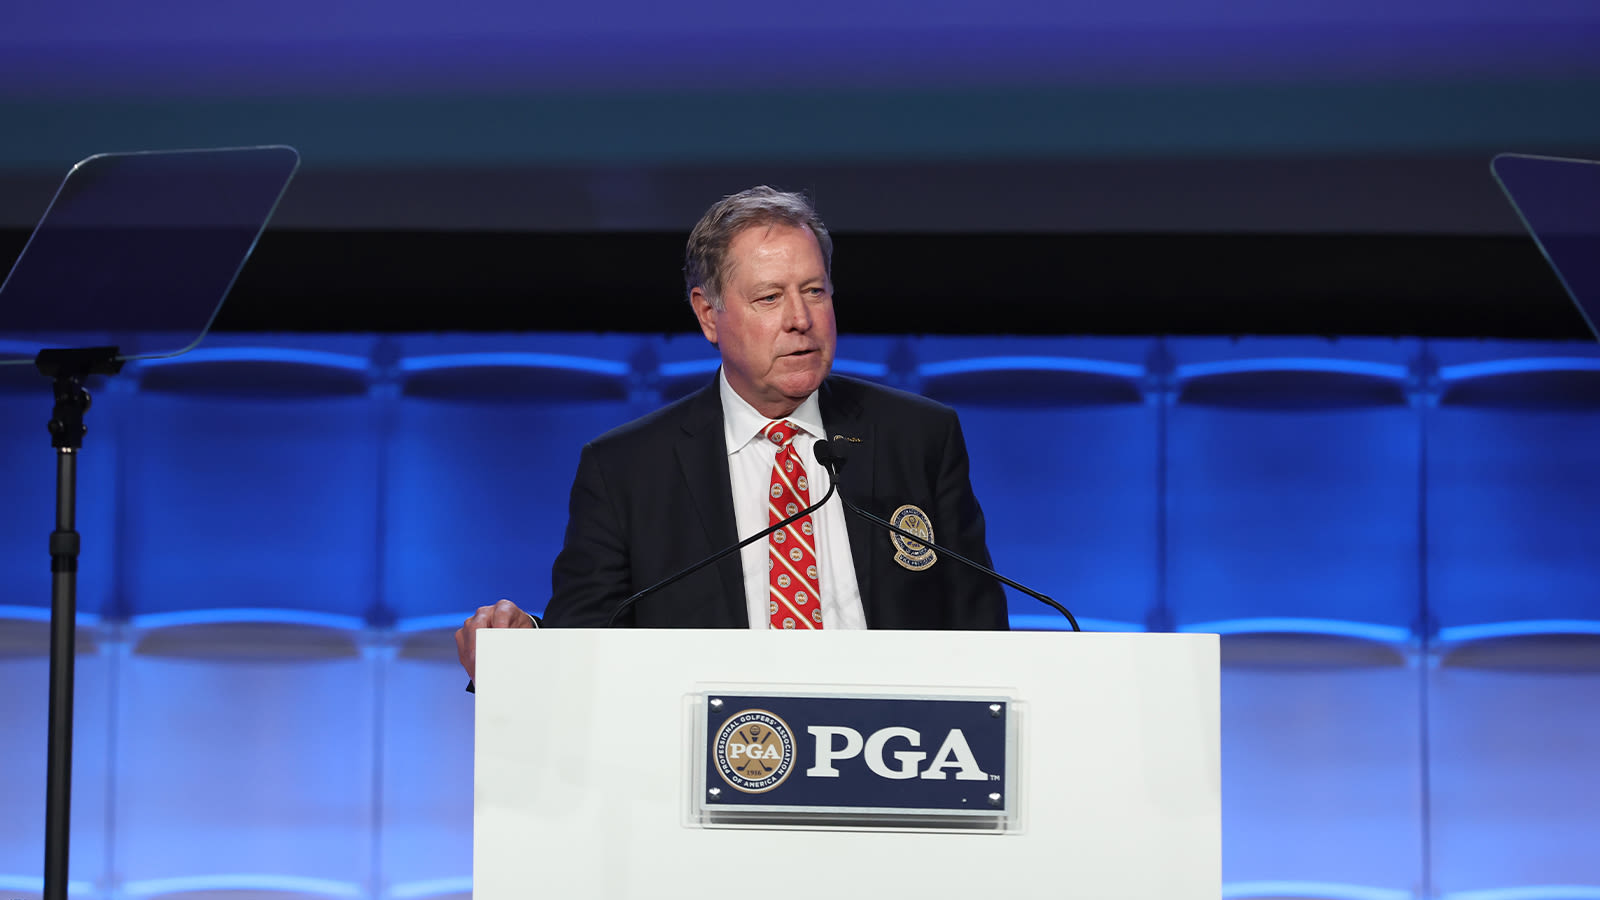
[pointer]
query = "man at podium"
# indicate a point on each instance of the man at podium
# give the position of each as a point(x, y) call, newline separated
point(658, 494)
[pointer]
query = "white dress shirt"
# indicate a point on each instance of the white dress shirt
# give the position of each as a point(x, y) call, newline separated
point(750, 459)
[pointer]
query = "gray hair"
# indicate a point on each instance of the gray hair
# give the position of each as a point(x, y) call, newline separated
point(705, 259)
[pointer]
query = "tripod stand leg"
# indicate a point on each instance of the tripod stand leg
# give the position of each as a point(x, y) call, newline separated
point(69, 368)
point(63, 640)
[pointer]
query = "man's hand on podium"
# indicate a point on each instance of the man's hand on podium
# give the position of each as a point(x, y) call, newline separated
point(504, 614)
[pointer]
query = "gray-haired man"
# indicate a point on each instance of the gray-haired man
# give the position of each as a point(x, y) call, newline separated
point(673, 487)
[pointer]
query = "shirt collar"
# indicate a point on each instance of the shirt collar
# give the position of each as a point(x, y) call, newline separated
point(741, 423)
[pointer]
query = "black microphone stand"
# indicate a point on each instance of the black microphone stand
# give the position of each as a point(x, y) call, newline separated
point(69, 369)
point(627, 604)
point(831, 460)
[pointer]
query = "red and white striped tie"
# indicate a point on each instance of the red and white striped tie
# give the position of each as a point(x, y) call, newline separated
point(794, 595)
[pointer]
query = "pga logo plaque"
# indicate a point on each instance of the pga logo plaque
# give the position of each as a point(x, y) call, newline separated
point(875, 759)
point(753, 751)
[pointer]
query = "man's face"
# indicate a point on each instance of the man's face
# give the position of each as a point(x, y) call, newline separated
point(775, 330)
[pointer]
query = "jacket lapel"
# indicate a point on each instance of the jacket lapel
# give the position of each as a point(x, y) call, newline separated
point(845, 419)
point(703, 458)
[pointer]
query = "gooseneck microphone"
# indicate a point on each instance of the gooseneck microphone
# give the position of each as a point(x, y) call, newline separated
point(627, 604)
point(831, 459)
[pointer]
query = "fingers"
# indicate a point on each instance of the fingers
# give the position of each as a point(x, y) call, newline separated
point(467, 649)
point(503, 614)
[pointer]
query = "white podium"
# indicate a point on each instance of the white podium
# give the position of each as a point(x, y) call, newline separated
point(585, 766)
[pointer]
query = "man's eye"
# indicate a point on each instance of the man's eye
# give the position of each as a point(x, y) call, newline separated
point(770, 298)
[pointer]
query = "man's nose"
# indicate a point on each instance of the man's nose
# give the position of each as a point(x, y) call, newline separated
point(799, 312)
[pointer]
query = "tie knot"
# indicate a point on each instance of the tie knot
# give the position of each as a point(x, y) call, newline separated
point(780, 433)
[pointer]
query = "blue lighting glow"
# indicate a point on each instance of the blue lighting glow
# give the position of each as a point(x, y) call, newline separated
point(594, 366)
point(860, 369)
point(1528, 628)
point(416, 890)
point(690, 367)
point(1030, 364)
point(248, 616)
point(1531, 892)
point(42, 614)
point(1390, 371)
point(1311, 890)
point(1492, 368)
point(288, 884)
point(284, 355)
point(1384, 634)
point(33, 884)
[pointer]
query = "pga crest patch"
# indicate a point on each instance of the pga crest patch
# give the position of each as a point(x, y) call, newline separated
point(908, 553)
point(753, 751)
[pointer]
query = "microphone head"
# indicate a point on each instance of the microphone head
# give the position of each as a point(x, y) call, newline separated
point(828, 454)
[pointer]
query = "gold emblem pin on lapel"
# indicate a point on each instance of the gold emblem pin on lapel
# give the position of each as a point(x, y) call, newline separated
point(853, 440)
point(908, 553)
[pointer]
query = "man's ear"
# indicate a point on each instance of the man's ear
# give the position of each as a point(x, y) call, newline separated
point(704, 312)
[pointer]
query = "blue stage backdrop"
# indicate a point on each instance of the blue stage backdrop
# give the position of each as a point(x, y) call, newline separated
point(1396, 537)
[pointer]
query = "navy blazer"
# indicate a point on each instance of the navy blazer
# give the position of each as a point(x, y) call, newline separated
point(653, 497)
